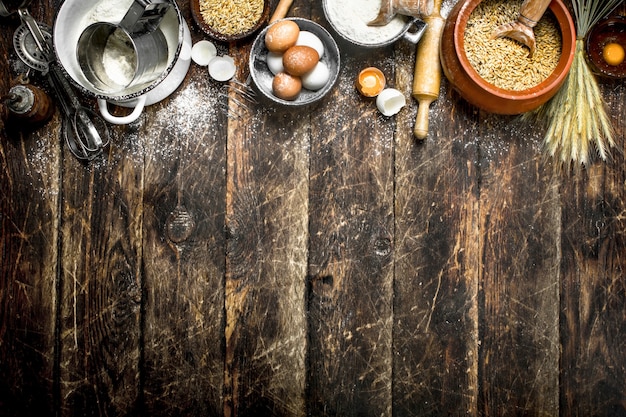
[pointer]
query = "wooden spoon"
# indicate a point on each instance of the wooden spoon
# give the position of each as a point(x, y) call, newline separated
point(389, 8)
point(522, 29)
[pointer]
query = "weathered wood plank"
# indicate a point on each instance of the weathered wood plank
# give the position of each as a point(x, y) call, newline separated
point(437, 259)
point(71, 371)
point(122, 293)
point(593, 299)
point(519, 287)
point(29, 198)
point(184, 146)
point(28, 281)
point(266, 217)
point(350, 290)
point(101, 283)
point(101, 279)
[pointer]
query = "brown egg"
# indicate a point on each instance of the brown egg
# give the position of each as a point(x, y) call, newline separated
point(300, 59)
point(286, 86)
point(281, 35)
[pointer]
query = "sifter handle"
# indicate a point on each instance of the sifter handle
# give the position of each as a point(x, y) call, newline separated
point(144, 16)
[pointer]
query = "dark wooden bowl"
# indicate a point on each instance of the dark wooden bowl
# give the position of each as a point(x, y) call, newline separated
point(211, 32)
point(473, 88)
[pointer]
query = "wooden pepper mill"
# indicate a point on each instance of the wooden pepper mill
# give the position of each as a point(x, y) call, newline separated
point(427, 75)
point(28, 104)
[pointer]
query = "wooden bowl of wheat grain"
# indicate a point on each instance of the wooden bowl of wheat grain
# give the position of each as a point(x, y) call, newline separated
point(497, 75)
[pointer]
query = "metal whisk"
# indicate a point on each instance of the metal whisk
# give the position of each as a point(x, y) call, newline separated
point(236, 104)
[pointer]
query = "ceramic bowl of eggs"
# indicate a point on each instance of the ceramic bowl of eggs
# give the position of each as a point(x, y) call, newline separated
point(294, 62)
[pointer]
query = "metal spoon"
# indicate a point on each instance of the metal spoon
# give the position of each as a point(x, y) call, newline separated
point(522, 29)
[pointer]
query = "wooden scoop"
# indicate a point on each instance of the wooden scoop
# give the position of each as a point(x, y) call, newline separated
point(389, 9)
point(522, 29)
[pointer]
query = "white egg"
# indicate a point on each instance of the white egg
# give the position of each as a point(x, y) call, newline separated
point(306, 38)
point(275, 62)
point(222, 68)
point(390, 101)
point(316, 78)
point(203, 52)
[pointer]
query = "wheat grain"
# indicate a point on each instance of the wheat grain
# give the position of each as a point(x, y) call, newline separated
point(231, 17)
point(504, 62)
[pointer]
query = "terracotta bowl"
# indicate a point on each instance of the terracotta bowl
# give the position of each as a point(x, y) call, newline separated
point(473, 88)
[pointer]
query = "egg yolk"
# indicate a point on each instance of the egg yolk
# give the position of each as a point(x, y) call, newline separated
point(370, 82)
point(613, 54)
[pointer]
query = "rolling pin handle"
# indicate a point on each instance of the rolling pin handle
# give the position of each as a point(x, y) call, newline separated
point(281, 10)
point(420, 131)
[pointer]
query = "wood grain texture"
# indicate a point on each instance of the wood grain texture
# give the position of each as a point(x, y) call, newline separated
point(309, 262)
point(519, 289)
point(29, 224)
point(351, 247)
point(101, 283)
point(437, 259)
point(266, 218)
point(593, 291)
point(184, 251)
point(101, 277)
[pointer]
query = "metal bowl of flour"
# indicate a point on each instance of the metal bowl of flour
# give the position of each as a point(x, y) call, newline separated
point(349, 19)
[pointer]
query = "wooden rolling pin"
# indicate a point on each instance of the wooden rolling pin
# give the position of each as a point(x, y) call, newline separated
point(427, 75)
point(281, 10)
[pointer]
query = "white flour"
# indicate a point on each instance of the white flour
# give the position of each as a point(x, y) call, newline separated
point(350, 19)
point(108, 11)
point(118, 58)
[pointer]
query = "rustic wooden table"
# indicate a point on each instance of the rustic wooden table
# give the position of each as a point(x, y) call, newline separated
point(316, 262)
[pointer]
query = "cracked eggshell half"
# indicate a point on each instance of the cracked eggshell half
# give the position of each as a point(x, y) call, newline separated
point(203, 52)
point(222, 68)
point(390, 101)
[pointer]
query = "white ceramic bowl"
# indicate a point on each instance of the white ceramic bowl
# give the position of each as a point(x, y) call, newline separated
point(75, 15)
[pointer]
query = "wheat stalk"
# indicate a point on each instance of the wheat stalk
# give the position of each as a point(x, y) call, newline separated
point(576, 115)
